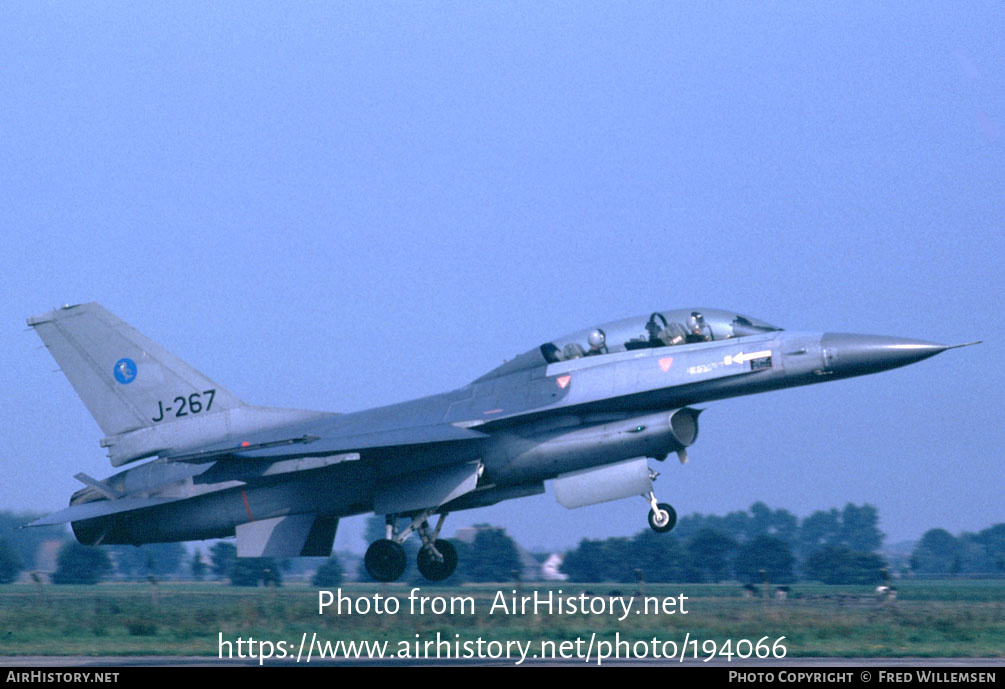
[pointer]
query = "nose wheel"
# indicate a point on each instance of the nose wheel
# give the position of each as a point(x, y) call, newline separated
point(663, 519)
point(662, 516)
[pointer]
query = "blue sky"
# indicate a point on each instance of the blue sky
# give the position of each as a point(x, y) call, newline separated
point(339, 206)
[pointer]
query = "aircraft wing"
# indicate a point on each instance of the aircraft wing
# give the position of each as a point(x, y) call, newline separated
point(98, 508)
point(338, 443)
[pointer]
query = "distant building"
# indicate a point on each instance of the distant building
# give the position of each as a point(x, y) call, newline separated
point(47, 556)
point(551, 569)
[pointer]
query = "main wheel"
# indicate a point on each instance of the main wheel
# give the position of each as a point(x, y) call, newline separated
point(664, 520)
point(434, 569)
point(385, 560)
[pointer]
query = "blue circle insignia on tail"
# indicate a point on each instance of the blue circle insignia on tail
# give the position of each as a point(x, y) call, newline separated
point(125, 370)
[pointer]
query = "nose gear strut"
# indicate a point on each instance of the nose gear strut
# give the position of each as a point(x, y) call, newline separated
point(662, 516)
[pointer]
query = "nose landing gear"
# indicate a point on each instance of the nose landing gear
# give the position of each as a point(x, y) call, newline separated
point(662, 516)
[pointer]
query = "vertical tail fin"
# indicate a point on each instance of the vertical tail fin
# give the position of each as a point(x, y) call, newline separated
point(127, 380)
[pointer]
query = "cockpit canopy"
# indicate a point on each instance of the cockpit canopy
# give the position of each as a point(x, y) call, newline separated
point(659, 329)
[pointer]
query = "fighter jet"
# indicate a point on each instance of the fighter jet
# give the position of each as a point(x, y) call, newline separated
point(587, 411)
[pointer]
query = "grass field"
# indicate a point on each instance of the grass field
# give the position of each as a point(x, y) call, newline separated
point(928, 619)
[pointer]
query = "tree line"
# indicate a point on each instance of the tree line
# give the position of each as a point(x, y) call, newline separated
point(760, 544)
point(832, 546)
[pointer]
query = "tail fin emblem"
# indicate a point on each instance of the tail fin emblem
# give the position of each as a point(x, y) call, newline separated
point(125, 371)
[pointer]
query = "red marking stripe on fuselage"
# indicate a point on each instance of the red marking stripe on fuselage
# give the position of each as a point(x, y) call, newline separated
point(247, 506)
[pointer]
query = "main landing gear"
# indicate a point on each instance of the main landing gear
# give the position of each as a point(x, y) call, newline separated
point(662, 516)
point(437, 559)
point(385, 560)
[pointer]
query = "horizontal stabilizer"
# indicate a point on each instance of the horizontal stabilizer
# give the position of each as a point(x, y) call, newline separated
point(295, 535)
point(99, 508)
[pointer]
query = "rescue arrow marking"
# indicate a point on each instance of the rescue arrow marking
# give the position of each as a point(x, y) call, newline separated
point(741, 357)
point(665, 363)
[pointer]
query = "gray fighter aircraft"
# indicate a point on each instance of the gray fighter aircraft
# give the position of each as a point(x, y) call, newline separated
point(586, 410)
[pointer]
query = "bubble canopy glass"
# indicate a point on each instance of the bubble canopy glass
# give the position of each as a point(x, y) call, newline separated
point(658, 329)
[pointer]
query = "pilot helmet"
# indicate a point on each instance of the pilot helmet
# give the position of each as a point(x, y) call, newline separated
point(696, 323)
point(596, 339)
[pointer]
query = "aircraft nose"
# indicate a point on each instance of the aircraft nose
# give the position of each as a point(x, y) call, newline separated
point(847, 354)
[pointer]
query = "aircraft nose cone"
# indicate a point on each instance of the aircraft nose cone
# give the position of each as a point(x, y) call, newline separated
point(846, 354)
